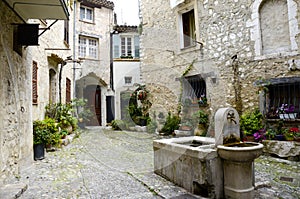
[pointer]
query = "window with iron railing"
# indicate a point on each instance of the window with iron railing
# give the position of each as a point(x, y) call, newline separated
point(194, 90)
point(283, 100)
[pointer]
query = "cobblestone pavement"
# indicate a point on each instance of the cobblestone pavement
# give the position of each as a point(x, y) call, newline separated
point(101, 163)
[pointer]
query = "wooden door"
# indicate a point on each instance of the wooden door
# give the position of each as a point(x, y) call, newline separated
point(93, 95)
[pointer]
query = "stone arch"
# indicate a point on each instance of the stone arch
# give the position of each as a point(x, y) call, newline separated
point(274, 26)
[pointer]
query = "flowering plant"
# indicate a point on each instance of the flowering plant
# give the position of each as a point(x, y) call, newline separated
point(260, 135)
point(285, 108)
point(294, 130)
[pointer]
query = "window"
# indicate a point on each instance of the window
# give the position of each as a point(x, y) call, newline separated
point(188, 28)
point(88, 47)
point(194, 90)
point(34, 83)
point(86, 14)
point(283, 99)
point(128, 80)
point(68, 90)
point(126, 46)
point(66, 31)
point(274, 26)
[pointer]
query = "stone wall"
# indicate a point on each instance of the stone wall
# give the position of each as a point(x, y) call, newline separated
point(227, 51)
point(15, 104)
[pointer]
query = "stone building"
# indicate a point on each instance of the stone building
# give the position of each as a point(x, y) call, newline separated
point(92, 43)
point(221, 53)
point(29, 64)
point(126, 66)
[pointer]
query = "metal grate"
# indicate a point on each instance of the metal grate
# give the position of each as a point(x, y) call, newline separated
point(284, 101)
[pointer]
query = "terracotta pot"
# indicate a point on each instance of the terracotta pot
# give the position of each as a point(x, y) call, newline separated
point(250, 138)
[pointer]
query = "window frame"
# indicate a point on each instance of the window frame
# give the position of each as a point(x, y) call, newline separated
point(194, 95)
point(66, 31)
point(34, 83)
point(88, 47)
point(255, 31)
point(190, 40)
point(126, 46)
point(84, 18)
point(128, 78)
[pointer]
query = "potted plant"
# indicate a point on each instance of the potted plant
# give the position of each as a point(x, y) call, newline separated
point(260, 135)
point(291, 133)
point(251, 122)
point(39, 140)
point(200, 119)
point(83, 112)
point(270, 134)
point(286, 111)
point(171, 124)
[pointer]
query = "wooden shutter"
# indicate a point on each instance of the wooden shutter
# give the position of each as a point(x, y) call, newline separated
point(34, 83)
point(68, 90)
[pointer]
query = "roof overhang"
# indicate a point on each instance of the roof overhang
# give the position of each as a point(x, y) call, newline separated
point(40, 9)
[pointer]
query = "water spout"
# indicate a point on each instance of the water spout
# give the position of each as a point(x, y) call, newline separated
point(231, 117)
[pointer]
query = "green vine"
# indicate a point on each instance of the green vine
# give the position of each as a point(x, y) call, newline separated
point(185, 72)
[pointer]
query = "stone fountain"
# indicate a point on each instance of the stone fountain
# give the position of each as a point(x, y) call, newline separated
point(238, 157)
point(210, 167)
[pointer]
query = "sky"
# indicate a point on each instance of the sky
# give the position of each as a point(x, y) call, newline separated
point(127, 12)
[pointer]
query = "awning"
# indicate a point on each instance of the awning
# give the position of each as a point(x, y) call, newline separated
point(275, 81)
point(40, 9)
point(174, 3)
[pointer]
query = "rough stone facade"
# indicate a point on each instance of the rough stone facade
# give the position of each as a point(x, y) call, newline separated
point(17, 112)
point(95, 71)
point(15, 109)
point(48, 56)
point(230, 52)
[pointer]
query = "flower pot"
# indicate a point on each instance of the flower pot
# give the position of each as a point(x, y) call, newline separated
point(250, 138)
point(288, 115)
point(39, 151)
point(81, 125)
point(279, 137)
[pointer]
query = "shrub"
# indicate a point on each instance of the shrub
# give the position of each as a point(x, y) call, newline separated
point(118, 125)
point(151, 127)
point(171, 124)
point(46, 132)
point(251, 122)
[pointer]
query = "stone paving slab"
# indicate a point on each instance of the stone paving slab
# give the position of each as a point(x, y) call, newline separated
point(101, 163)
point(11, 191)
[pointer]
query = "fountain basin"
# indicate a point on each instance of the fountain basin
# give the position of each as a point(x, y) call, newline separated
point(190, 162)
point(238, 168)
point(240, 152)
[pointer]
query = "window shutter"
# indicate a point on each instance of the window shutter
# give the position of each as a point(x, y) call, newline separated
point(116, 44)
point(68, 90)
point(34, 83)
point(136, 46)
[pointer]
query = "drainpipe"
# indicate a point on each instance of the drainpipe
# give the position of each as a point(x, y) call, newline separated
point(74, 52)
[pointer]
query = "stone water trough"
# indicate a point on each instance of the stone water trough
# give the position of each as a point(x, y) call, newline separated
point(190, 162)
point(220, 167)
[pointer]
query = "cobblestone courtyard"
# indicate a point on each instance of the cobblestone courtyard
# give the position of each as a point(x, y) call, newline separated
point(101, 163)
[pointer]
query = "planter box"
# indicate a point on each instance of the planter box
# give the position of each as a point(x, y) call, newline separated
point(288, 115)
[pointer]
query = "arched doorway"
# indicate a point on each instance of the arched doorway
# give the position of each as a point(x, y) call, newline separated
point(93, 94)
point(52, 86)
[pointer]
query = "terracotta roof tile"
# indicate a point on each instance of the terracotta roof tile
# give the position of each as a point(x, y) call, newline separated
point(99, 3)
point(125, 28)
